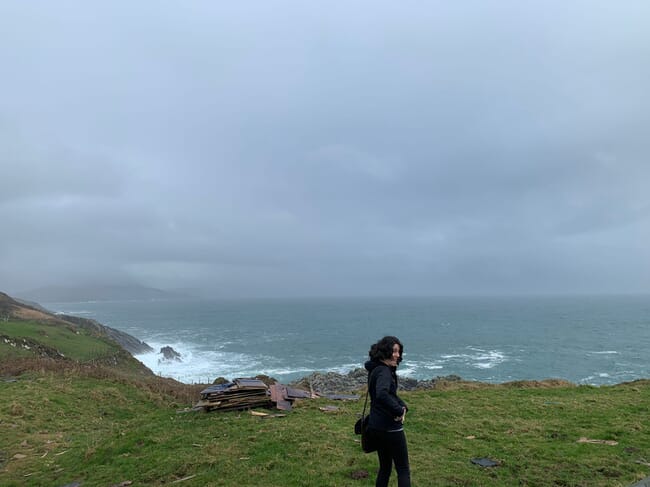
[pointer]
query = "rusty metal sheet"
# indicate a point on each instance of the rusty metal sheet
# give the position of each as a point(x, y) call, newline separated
point(279, 397)
point(298, 393)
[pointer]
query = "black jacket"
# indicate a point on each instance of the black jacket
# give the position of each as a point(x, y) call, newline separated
point(385, 405)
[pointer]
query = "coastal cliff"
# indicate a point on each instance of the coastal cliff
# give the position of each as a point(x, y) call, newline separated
point(32, 337)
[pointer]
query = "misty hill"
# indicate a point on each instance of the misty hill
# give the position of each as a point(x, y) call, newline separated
point(27, 330)
point(62, 294)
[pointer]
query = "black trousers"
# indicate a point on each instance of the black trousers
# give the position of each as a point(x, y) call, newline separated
point(391, 449)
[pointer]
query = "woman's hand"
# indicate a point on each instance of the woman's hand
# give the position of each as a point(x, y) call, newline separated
point(402, 417)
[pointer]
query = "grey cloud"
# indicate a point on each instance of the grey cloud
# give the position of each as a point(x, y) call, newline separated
point(289, 148)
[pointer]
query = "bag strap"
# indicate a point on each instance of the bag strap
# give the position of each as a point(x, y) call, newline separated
point(365, 403)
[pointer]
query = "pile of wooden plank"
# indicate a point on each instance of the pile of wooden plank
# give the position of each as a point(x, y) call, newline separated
point(238, 394)
point(252, 393)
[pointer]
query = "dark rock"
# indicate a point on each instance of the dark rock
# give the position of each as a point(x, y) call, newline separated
point(169, 354)
point(331, 382)
point(408, 384)
point(357, 379)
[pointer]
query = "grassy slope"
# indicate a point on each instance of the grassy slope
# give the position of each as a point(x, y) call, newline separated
point(74, 343)
point(105, 431)
point(79, 345)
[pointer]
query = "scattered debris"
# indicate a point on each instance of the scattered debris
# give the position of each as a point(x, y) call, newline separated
point(485, 462)
point(341, 397)
point(183, 479)
point(283, 396)
point(582, 439)
point(470, 437)
point(189, 410)
point(258, 413)
point(262, 415)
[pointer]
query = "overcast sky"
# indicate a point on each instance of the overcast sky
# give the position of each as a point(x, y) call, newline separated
point(271, 148)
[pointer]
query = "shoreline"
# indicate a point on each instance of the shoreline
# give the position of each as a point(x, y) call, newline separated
point(355, 381)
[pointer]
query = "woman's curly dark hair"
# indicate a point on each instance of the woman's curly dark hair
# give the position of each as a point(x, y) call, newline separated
point(383, 349)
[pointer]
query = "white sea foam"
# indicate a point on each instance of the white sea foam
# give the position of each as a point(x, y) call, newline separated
point(479, 359)
point(406, 370)
point(203, 366)
point(431, 366)
point(343, 369)
point(196, 365)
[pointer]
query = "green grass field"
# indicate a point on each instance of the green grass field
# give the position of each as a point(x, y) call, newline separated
point(58, 428)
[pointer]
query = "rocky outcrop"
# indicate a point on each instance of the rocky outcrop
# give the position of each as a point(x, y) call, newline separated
point(355, 380)
point(169, 355)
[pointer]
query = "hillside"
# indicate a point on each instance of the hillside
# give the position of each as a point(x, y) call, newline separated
point(77, 409)
point(28, 331)
point(77, 429)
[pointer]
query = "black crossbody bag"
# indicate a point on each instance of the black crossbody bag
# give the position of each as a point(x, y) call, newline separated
point(368, 444)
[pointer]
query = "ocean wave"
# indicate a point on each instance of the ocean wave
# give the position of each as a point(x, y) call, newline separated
point(203, 366)
point(196, 365)
point(479, 359)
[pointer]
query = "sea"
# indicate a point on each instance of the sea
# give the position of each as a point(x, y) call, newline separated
point(595, 340)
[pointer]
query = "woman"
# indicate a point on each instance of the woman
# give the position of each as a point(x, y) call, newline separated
point(387, 411)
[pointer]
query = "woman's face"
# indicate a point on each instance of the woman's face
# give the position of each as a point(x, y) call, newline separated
point(393, 360)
